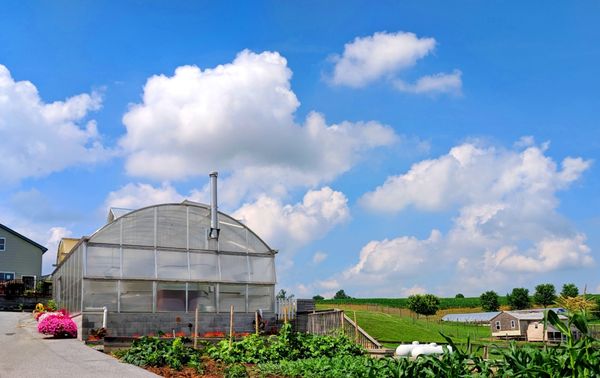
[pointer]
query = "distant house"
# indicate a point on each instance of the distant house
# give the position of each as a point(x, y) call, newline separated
point(525, 325)
point(20, 257)
point(64, 247)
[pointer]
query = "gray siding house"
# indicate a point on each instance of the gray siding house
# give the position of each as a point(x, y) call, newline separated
point(20, 257)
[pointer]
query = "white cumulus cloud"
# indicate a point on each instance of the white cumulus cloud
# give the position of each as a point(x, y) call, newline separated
point(39, 138)
point(293, 225)
point(138, 195)
point(367, 59)
point(238, 118)
point(507, 227)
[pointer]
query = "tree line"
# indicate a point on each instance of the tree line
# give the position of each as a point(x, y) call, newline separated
point(518, 299)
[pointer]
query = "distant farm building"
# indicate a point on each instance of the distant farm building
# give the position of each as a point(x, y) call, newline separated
point(474, 317)
point(153, 267)
point(525, 325)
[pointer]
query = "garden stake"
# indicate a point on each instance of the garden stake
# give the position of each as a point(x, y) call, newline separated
point(256, 322)
point(196, 328)
point(230, 325)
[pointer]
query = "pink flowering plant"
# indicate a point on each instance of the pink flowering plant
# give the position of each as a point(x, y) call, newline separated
point(57, 324)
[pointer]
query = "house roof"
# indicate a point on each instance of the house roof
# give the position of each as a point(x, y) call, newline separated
point(64, 248)
point(535, 314)
point(44, 249)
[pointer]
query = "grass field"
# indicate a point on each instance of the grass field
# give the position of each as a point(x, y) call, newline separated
point(396, 328)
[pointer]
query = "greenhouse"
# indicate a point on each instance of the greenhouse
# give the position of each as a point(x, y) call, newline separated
point(153, 268)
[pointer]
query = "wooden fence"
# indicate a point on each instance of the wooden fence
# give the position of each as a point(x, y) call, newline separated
point(286, 308)
point(327, 322)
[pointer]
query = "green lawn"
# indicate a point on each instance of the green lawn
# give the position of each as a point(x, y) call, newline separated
point(388, 327)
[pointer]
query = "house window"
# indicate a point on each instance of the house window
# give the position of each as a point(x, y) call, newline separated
point(2, 244)
point(498, 325)
point(512, 324)
point(535, 325)
point(7, 276)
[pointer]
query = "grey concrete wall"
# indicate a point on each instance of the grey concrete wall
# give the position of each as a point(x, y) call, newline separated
point(138, 324)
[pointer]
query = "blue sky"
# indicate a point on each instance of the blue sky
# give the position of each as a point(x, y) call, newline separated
point(386, 150)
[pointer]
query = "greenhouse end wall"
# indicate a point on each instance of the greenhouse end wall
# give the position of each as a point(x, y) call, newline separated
point(153, 267)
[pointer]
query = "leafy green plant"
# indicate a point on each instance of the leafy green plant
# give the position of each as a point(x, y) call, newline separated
point(236, 371)
point(287, 345)
point(153, 351)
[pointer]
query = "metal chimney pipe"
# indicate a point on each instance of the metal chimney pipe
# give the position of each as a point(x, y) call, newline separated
point(214, 221)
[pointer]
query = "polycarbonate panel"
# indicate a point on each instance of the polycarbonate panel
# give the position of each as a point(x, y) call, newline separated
point(199, 219)
point(256, 245)
point(103, 262)
point(262, 269)
point(203, 296)
point(170, 296)
point(232, 237)
point(172, 226)
point(138, 263)
point(138, 227)
point(100, 293)
point(109, 234)
point(260, 297)
point(172, 265)
point(203, 266)
point(136, 296)
point(232, 295)
point(234, 268)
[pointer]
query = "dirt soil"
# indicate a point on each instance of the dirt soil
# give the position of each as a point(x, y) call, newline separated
point(212, 369)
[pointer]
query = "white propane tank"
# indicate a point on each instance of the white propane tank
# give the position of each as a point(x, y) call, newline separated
point(431, 348)
point(404, 350)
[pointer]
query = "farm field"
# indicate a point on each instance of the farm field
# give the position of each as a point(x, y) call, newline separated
point(445, 303)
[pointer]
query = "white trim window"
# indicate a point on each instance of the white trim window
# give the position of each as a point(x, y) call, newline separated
point(497, 325)
point(513, 325)
point(7, 276)
point(2, 244)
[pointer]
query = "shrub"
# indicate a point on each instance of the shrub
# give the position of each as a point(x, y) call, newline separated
point(57, 324)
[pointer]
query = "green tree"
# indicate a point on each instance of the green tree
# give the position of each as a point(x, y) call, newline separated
point(318, 297)
point(459, 295)
point(490, 301)
point(341, 294)
point(518, 299)
point(283, 295)
point(545, 294)
point(569, 290)
point(426, 304)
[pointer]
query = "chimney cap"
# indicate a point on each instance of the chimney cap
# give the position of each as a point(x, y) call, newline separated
point(213, 173)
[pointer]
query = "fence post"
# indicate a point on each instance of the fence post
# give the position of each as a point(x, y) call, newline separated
point(355, 328)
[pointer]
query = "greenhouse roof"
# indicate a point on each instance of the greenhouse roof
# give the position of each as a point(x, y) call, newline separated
point(473, 317)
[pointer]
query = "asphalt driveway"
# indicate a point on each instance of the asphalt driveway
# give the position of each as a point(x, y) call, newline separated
point(26, 353)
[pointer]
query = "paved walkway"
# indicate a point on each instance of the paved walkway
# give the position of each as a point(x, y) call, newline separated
point(25, 353)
